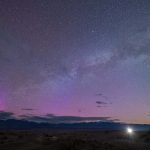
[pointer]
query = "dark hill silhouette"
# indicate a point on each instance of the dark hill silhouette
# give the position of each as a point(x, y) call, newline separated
point(25, 124)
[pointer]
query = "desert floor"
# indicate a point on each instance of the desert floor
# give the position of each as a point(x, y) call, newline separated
point(73, 140)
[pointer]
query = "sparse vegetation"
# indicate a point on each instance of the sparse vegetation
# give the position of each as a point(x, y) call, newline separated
point(79, 140)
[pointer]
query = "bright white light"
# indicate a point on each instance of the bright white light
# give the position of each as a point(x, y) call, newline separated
point(129, 130)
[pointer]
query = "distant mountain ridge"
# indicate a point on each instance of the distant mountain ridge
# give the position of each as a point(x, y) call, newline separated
point(24, 124)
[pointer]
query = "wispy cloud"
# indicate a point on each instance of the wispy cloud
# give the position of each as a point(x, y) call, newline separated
point(102, 96)
point(51, 118)
point(6, 115)
point(101, 103)
point(27, 109)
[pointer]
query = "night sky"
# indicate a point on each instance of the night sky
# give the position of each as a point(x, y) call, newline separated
point(83, 58)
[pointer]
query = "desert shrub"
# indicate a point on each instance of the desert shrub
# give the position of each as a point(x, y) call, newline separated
point(4, 138)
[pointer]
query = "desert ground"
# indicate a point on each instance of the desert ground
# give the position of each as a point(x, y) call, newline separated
point(74, 140)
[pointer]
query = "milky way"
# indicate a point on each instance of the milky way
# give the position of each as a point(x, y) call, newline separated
point(61, 57)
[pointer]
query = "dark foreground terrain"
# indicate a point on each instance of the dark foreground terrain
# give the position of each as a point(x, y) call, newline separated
point(73, 140)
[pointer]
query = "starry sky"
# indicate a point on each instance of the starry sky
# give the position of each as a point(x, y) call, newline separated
point(87, 59)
